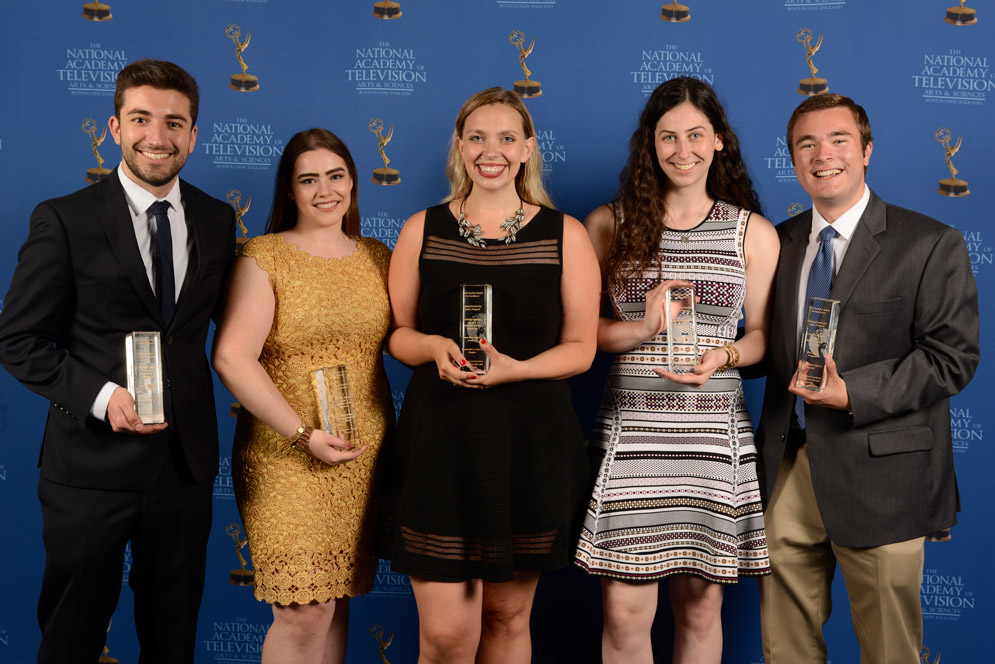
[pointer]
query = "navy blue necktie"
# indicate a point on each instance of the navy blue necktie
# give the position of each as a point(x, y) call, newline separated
point(820, 282)
point(162, 263)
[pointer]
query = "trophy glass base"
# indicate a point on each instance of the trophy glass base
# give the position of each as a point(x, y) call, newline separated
point(528, 89)
point(675, 13)
point(386, 176)
point(97, 174)
point(953, 187)
point(98, 11)
point(939, 536)
point(244, 83)
point(961, 16)
point(387, 9)
point(242, 577)
point(813, 86)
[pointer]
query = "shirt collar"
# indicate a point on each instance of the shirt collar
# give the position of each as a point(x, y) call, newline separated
point(139, 199)
point(846, 223)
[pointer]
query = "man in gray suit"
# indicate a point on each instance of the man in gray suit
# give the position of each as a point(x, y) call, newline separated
point(858, 473)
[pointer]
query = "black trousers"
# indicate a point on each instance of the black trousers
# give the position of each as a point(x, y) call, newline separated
point(85, 532)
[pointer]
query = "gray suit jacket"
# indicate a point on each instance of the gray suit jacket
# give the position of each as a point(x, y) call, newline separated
point(907, 341)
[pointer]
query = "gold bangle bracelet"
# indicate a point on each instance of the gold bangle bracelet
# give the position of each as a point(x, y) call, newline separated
point(732, 355)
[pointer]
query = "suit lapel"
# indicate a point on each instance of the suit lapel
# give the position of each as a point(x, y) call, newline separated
point(113, 213)
point(862, 250)
point(191, 210)
point(789, 278)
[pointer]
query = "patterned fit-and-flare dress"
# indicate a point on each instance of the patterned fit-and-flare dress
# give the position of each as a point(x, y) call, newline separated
point(487, 482)
point(676, 491)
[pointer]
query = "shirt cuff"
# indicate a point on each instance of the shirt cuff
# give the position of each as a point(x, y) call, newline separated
point(99, 407)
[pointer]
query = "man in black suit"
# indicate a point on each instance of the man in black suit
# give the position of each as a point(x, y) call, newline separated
point(858, 473)
point(138, 251)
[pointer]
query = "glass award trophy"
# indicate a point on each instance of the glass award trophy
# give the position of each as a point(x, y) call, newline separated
point(682, 335)
point(143, 357)
point(331, 385)
point(818, 339)
point(475, 302)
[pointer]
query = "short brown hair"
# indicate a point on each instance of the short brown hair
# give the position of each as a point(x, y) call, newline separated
point(824, 103)
point(158, 74)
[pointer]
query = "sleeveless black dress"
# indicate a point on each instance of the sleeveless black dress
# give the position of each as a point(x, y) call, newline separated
point(487, 482)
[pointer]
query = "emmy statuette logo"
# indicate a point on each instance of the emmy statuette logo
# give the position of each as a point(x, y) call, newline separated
point(385, 176)
point(98, 11)
point(795, 209)
point(376, 631)
point(952, 186)
point(924, 657)
point(234, 197)
point(955, 16)
point(239, 577)
point(675, 13)
point(99, 173)
point(387, 9)
point(241, 82)
point(105, 656)
point(526, 88)
point(810, 86)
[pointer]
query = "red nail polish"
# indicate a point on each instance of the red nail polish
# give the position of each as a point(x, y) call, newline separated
point(462, 363)
point(483, 342)
point(471, 377)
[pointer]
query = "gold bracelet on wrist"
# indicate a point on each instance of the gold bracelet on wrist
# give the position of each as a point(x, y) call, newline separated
point(301, 438)
point(732, 355)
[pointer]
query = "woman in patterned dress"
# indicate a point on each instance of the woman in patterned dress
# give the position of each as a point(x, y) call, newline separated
point(310, 294)
point(492, 467)
point(676, 492)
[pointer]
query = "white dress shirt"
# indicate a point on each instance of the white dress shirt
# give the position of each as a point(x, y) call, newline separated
point(139, 201)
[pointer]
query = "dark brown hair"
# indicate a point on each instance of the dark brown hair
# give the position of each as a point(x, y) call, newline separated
point(158, 74)
point(283, 216)
point(640, 199)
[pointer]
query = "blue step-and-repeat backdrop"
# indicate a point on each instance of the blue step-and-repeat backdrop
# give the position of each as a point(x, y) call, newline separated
point(335, 64)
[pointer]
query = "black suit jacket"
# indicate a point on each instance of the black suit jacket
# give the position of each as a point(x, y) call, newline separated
point(79, 288)
point(907, 341)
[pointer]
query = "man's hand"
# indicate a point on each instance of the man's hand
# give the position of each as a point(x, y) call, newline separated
point(121, 414)
point(833, 395)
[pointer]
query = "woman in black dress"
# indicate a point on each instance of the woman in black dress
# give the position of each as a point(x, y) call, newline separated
point(491, 465)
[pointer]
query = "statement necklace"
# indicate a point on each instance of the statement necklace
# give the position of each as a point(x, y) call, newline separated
point(473, 233)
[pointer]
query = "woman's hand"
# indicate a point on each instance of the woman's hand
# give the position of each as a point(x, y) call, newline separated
point(709, 361)
point(331, 449)
point(503, 368)
point(453, 367)
point(657, 314)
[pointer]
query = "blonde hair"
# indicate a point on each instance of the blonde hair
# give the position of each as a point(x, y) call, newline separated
point(528, 181)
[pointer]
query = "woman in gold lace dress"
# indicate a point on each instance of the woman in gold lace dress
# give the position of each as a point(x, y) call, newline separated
point(309, 294)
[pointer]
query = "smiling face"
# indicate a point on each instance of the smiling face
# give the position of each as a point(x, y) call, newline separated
point(494, 145)
point(321, 188)
point(829, 161)
point(685, 145)
point(156, 133)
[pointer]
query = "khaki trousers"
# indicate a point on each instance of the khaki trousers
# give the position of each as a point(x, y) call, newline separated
point(882, 582)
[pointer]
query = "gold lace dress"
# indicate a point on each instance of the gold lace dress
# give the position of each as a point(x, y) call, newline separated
point(311, 526)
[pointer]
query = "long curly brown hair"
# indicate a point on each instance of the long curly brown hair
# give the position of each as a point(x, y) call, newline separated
point(640, 198)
